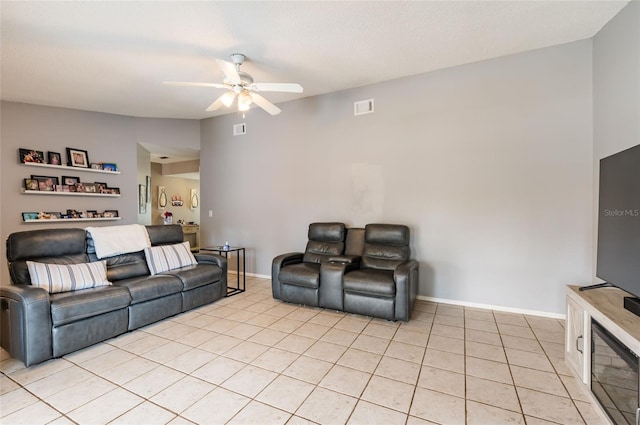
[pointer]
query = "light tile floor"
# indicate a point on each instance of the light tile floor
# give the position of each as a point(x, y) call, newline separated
point(250, 359)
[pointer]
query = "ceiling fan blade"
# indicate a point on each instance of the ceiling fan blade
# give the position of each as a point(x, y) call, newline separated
point(217, 104)
point(282, 87)
point(230, 72)
point(188, 84)
point(265, 104)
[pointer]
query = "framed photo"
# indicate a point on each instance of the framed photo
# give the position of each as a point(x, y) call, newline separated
point(112, 190)
point(96, 166)
point(90, 187)
point(31, 184)
point(92, 213)
point(70, 181)
point(107, 166)
point(26, 216)
point(148, 189)
point(31, 156)
point(54, 215)
point(142, 199)
point(77, 158)
point(47, 183)
point(102, 187)
point(37, 177)
point(54, 158)
point(110, 213)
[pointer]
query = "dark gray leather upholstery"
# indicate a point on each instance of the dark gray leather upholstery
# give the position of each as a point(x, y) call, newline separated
point(374, 276)
point(296, 276)
point(386, 285)
point(36, 326)
point(68, 307)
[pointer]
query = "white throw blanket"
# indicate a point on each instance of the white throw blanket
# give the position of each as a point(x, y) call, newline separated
point(116, 240)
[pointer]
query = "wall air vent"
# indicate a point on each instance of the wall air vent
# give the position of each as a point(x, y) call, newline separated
point(363, 107)
point(240, 129)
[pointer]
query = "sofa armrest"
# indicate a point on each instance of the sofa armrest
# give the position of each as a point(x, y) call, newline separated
point(278, 263)
point(331, 292)
point(407, 281)
point(211, 258)
point(347, 259)
point(26, 323)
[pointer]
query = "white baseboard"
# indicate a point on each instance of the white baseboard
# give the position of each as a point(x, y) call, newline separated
point(494, 307)
point(263, 276)
point(462, 303)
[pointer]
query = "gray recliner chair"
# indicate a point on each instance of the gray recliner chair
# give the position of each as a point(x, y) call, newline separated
point(386, 284)
point(296, 276)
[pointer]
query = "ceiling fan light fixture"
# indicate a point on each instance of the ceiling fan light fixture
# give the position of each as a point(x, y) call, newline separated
point(227, 98)
point(244, 101)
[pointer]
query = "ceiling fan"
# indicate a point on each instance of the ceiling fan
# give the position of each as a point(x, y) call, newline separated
point(241, 85)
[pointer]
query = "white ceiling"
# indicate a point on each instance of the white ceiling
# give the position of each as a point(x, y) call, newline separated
point(112, 56)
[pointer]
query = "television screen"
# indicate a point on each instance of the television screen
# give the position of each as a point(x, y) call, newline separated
point(619, 220)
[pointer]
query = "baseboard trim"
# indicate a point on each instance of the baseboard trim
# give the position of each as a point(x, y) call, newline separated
point(456, 302)
point(494, 307)
point(263, 276)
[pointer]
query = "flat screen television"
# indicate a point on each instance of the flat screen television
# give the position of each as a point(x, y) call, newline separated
point(618, 260)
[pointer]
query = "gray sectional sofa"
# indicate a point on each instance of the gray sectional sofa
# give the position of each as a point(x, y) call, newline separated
point(365, 271)
point(37, 325)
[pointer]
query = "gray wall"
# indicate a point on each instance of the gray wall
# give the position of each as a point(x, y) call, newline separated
point(490, 164)
point(106, 138)
point(616, 91)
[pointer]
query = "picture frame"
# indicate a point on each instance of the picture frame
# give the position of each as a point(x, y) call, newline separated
point(162, 197)
point(70, 180)
point(54, 158)
point(92, 213)
point(54, 214)
point(113, 190)
point(77, 158)
point(28, 216)
point(109, 166)
point(142, 199)
point(110, 213)
point(90, 187)
point(46, 183)
point(195, 201)
point(39, 177)
point(31, 156)
point(102, 187)
point(31, 184)
point(96, 166)
point(148, 190)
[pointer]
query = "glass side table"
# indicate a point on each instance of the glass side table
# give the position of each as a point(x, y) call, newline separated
point(221, 250)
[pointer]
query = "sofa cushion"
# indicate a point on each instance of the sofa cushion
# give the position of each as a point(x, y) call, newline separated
point(377, 283)
point(301, 274)
point(68, 307)
point(68, 277)
point(196, 276)
point(145, 288)
point(168, 257)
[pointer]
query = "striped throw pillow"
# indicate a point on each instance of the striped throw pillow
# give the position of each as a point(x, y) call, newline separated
point(68, 277)
point(168, 257)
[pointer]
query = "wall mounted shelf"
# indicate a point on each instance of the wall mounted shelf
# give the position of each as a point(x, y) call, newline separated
point(48, 192)
point(66, 167)
point(65, 220)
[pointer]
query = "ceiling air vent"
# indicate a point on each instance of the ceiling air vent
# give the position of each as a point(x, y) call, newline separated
point(240, 129)
point(363, 107)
